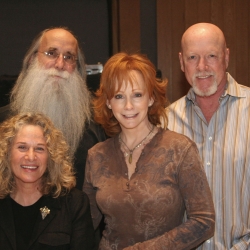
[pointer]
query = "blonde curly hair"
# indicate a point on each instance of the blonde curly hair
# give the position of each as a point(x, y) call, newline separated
point(59, 177)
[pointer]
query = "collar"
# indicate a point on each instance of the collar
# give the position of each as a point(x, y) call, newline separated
point(232, 89)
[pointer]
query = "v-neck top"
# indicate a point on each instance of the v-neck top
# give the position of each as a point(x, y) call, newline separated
point(146, 211)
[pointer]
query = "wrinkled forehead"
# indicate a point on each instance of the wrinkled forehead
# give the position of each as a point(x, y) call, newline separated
point(58, 39)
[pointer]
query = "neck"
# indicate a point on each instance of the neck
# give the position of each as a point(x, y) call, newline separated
point(131, 138)
point(133, 148)
point(210, 104)
point(26, 195)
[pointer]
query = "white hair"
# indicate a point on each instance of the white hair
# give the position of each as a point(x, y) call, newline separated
point(65, 99)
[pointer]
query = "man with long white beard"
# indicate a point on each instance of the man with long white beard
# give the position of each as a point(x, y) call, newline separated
point(52, 81)
point(215, 114)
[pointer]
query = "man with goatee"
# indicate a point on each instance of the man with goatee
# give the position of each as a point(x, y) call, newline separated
point(215, 115)
point(52, 81)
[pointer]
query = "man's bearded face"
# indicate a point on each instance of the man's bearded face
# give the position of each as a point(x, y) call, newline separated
point(60, 95)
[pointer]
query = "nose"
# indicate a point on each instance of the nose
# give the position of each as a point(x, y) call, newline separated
point(60, 63)
point(128, 104)
point(202, 64)
point(31, 155)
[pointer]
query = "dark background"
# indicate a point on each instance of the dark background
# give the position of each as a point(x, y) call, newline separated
point(21, 21)
point(105, 27)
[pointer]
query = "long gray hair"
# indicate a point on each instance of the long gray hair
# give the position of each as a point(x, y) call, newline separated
point(32, 52)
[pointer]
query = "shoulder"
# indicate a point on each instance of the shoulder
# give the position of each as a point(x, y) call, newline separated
point(173, 139)
point(75, 200)
point(4, 200)
point(236, 89)
point(93, 127)
point(95, 131)
point(104, 146)
point(177, 108)
point(76, 195)
point(244, 89)
point(180, 102)
point(172, 135)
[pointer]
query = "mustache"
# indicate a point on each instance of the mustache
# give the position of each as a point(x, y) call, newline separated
point(52, 72)
point(205, 73)
point(60, 95)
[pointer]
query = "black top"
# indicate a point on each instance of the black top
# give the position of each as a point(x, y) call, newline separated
point(67, 226)
point(93, 134)
point(24, 219)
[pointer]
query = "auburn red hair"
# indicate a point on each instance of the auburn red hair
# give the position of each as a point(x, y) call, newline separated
point(116, 72)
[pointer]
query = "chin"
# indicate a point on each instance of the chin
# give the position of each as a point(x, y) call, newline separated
point(207, 92)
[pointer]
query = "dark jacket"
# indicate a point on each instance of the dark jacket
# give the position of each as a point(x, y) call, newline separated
point(93, 134)
point(68, 226)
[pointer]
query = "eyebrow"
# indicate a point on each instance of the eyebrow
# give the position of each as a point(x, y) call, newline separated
point(52, 48)
point(55, 49)
point(40, 144)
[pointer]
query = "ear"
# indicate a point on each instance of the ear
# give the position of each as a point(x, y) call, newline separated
point(181, 62)
point(108, 104)
point(151, 102)
point(227, 52)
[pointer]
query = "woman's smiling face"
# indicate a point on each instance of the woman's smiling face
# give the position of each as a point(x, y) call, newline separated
point(29, 155)
point(130, 104)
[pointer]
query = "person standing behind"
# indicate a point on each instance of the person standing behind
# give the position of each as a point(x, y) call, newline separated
point(215, 115)
point(144, 178)
point(53, 81)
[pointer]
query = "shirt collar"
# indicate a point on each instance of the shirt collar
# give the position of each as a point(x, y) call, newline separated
point(232, 89)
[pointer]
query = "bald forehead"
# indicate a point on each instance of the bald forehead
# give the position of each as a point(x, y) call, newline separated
point(203, 31)
point(57, 38)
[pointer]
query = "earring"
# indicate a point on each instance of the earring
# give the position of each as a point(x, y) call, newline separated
point(109, 106)
point(150, 104)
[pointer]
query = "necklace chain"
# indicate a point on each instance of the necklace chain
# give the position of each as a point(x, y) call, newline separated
point(131, 151)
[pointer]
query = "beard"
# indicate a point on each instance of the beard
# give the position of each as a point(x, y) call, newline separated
point(204, 92)
point(60, 95)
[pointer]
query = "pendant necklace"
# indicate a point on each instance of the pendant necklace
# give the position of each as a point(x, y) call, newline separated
point(131, 151)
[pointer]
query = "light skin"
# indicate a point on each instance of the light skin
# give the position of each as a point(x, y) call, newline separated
point(28, 161)
point(130, 107)
point(61, 41)
point(204, 59)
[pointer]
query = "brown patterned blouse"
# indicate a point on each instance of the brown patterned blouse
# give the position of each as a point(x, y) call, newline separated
point(146, 211)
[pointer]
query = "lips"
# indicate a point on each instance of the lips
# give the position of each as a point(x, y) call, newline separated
point(29, 167)
point(203, 77)
point(130, 116)
point(57, 76)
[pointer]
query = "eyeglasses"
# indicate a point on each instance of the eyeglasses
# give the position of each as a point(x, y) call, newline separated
point(53, 55)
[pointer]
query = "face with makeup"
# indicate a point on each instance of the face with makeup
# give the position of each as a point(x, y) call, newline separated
point(29, 155)
point(130, 103)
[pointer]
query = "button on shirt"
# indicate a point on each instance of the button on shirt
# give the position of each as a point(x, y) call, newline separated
point(224, 146)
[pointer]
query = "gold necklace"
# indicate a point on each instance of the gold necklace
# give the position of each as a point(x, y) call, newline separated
point(131, 151)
